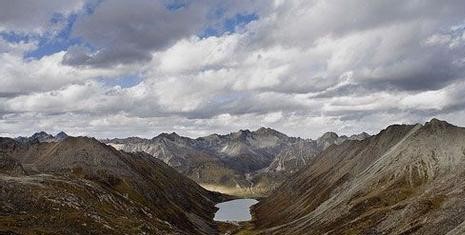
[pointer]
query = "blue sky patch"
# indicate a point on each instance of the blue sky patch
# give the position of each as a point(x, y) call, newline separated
point(238, 20)
point(49, 43)
point(125, 81)
point(15, 37)
point(61, 42)
point(228, 25)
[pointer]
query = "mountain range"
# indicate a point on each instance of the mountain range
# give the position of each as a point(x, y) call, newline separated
point(242, 163)
point(407, 179)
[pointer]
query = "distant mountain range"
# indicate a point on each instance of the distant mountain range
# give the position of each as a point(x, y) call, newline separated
point(408, 179)
point(242, 163)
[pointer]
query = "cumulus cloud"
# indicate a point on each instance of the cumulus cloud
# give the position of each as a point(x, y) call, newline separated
point(128, 31)
point(303, 67)
point(25, 76)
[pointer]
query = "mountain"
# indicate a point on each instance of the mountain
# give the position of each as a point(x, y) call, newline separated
point(61, 136)
point(246, 151)
point(220, 162)
point(408, 179)
point(296, 155)
point(79, 185)
point(180, 153)
point(42, 137)
point(243, 162)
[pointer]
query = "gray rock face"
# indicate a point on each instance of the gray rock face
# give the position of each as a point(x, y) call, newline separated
point(296, 155)
point(242, 159)
point(408, 179)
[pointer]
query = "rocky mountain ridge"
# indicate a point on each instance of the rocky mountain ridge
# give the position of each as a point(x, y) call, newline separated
point(41, 137)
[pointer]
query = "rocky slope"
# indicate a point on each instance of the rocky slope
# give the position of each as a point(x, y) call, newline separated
point(408, 179)
point(243, 162)
point(81, 186)
point(296, 155)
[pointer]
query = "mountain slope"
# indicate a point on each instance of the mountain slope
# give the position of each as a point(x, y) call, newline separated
point(181, 154)
point(405, 180)
point(84, 186)
point(296, 155)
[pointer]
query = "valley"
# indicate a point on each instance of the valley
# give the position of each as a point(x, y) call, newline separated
point(406, 179)
point(242, 117)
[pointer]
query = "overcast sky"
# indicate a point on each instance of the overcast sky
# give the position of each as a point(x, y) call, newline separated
point(115, 68)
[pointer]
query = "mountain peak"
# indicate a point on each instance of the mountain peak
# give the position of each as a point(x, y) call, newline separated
point(329, 135)
point(267, 130)
point(242, 134)
point(171, 136)
point(61, 135)
point(360, 136)
point(435, 124)
point(41, 134)
point(264, 129)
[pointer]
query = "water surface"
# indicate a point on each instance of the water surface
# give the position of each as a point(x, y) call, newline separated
point(235, 210)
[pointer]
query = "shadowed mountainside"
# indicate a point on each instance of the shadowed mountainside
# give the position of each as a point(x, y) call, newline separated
point(79, 185)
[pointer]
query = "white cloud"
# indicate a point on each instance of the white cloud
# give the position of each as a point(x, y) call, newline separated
point(195, 54)
point(16, 48)
point(426, 100)
point(303, 67)
point(24, 76)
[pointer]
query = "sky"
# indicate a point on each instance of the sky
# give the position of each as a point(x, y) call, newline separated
point(137, 68)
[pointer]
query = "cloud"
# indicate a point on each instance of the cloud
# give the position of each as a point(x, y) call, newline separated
point(15, 49)
point(303, 67)
point(126, 32)
point(34, 16)
point(24, 76)
point(122, 32)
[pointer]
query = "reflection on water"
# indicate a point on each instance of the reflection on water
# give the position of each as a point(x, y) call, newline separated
point(235, 210)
